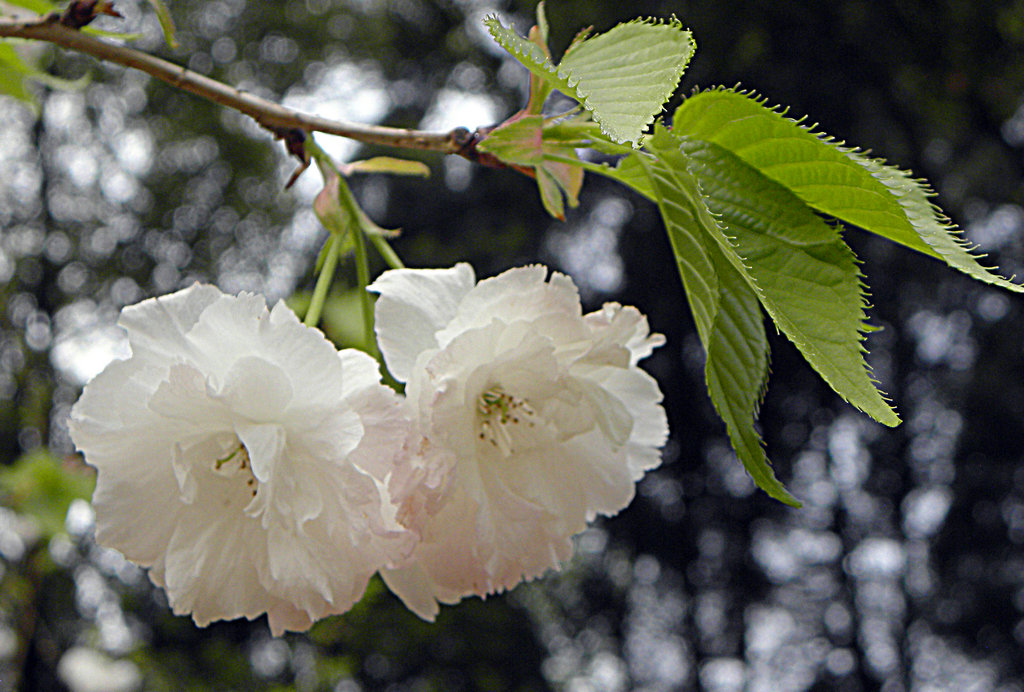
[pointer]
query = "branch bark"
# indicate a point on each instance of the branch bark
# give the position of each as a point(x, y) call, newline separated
point(272, 116)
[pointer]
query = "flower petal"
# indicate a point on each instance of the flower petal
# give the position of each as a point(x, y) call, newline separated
point(161, 324)
point(529, 418)
point(253, 388)
point(264, 444)
point(416, 589)
point(241, 463)
point(414, 304)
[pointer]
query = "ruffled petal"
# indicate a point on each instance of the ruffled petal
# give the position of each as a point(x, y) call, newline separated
point(254, 388)
point(416, 589)
point(533, 420)
point(264, 445)
point(624, 326)
point(415, 304)
point(362, 372)
point(241, 462)
point(160, 325)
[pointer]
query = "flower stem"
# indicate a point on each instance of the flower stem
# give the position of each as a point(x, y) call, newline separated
point(357, 218)
point(323, 282)
point(390, 256)
point(362, 281)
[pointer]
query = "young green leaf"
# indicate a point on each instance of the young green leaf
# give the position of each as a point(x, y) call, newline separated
point(832, 179)
point(623, 77)
point(13, 83)
point(520, 141)
point(557, 179)
point(737, 373)
point(724, 307)
point(550, 194)
point(16, 73)
point(540, 89)
point(38, 6)
point(163, 15)
point(386, 164)
point(803, 273)
point(542, 23)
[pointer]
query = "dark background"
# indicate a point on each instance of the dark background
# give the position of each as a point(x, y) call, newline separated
point(905, 568)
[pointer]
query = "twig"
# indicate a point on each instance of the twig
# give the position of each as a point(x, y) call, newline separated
point(272, 116)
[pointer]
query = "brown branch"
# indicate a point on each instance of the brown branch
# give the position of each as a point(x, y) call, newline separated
point(272, 116)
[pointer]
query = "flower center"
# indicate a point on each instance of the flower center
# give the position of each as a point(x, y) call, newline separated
point(236, 463)
point(500, 414)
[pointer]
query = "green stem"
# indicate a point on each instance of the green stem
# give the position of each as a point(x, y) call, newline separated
point(362, 281)
point(323, 282)
point(327, 168)
point(389, 255)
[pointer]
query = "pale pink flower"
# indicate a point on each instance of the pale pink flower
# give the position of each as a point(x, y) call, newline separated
point(532, 419)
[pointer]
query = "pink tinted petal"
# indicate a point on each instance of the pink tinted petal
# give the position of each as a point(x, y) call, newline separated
point(537, 411)
point(416, 590)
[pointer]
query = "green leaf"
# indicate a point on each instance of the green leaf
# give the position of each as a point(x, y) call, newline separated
point(550, 194)
point(623, 77)
point(631, 173)
point(690, 228)
point(521, 141)
point(737, 371)
point(518, 141)
point(15, 73)
point(386, 164)
point(540, 88)
point(941, 235)
point(724, 307)
point(567, 177)
point(806, 277)
point(38, 6)
point(804, 274)
point(14, 76)
point(163, 15)
point(102, 33)
point(12, 83)
point(832, 179)
point(542, 23)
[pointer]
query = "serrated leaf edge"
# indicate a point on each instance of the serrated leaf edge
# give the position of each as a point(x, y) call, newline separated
point(863, 158)
point(522, 49)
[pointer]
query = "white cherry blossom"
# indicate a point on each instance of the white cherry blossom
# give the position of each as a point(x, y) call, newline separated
point(532, 419)
point(243, 459)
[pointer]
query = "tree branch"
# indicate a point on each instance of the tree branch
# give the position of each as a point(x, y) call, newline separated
point(272, 116)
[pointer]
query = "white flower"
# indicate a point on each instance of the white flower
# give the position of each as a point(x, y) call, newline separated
point(533, 419)
point(243, 459)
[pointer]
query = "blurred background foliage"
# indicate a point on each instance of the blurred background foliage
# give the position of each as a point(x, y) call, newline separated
point(905, 568)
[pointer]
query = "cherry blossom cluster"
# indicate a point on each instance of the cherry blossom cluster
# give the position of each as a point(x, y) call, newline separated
point(254, 468)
